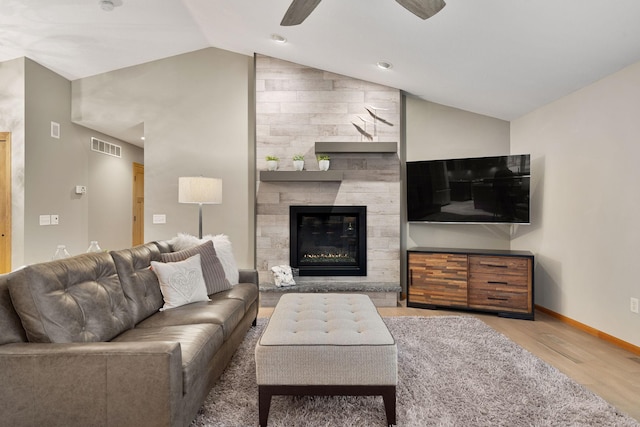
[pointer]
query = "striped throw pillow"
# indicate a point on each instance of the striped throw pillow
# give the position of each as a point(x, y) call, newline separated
point(212, 269)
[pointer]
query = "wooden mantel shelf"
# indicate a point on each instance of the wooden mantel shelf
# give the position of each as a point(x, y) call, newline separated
point(292, 176)
point(356, 147)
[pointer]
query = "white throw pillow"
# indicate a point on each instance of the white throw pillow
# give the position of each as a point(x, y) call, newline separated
point(223, 247)
point(282, 275)
point(181, 282)
point(184, 241)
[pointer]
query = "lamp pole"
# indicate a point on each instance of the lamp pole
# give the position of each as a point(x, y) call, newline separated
point(200, 221)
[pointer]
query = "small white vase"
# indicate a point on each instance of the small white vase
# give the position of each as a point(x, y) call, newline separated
point(272, 165)
point(298, 165)
point(323, 165)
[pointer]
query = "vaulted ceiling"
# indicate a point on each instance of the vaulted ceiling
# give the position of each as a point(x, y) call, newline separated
point(501, 58)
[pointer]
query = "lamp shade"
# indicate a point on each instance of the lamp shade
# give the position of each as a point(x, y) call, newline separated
point(198, 189)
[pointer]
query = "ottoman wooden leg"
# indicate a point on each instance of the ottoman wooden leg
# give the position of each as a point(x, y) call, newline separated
point(264, 403)
point(389, 399)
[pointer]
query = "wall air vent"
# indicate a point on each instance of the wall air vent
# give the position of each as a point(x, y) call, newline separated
point(105, 147)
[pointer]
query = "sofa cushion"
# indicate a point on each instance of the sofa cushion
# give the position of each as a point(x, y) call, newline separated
point(78, 299)
point(212, 270)
point(163, 245)
point(11, 329)
point(224, 312)
point(139, 283)
point(245, 292)
point(181, 282)
point(198, 345)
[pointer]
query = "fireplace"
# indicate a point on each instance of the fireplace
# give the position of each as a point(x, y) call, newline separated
point(328, 240)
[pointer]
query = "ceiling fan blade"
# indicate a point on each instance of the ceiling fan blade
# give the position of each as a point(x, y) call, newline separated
point(423, 8)
point(298, 12)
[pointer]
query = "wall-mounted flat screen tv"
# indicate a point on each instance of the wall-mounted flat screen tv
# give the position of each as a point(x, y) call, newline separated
point(470, 190)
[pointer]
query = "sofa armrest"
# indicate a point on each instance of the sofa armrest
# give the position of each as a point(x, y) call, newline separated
point(80, 384)
point(248, 276)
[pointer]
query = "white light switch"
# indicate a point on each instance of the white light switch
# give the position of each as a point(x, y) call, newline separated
point(55, 130)
point(159, 219)
point(45, 219)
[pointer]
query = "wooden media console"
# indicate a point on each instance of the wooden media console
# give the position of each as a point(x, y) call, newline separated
point(498, 281)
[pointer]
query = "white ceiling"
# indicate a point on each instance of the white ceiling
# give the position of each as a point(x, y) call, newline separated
point(501, 58)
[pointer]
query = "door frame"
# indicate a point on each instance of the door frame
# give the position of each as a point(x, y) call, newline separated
point(137, 219)
point(5, 202)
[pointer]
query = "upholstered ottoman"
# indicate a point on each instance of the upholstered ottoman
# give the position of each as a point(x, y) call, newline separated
point(326, 344)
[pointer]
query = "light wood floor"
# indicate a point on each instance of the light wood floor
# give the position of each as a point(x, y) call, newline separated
point(607, 370)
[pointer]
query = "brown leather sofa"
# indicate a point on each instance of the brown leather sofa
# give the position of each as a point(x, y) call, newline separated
point(83, 343)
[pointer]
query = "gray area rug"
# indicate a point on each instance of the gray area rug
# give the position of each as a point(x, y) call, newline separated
point(452, 371)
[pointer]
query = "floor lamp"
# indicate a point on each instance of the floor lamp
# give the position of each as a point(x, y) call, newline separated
point(199, 190)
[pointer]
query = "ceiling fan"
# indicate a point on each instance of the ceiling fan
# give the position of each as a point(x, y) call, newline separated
point(300, 9)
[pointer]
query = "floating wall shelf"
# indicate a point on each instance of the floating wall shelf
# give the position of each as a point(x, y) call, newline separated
point(292, 176)
point(356, 147)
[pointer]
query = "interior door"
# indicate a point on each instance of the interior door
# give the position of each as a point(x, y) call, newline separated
point(138, 204)
point(5, 202)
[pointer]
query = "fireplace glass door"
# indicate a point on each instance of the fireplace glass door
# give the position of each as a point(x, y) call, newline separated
point(328, 240)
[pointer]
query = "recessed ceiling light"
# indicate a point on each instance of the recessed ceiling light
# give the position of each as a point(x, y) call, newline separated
point(278, 38)
point(384, 65)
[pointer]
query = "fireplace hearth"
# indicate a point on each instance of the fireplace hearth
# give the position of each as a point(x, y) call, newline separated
point(328, 240)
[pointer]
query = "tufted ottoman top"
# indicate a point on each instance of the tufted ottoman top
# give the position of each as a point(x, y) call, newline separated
point(331, 339)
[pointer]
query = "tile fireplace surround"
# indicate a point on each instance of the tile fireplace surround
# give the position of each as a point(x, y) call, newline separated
point(296, 107)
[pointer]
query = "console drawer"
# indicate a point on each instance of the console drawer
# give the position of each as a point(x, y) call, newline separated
point(505, 282)
point(495, 299)
point(499, 265)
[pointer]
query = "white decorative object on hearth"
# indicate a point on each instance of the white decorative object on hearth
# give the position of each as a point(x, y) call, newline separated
point(282, 275)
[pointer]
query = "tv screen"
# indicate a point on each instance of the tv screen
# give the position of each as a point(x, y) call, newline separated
point(469, 190)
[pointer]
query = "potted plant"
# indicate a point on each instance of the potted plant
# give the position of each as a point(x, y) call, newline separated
point(298, 162)
point(323, 162)
point(272, 163)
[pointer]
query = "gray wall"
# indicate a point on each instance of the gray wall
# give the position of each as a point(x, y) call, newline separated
point(45, 170)
point(197, 111)
point(110, 193)
point(585, 197)
point(435, 131)
point(55, 166)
